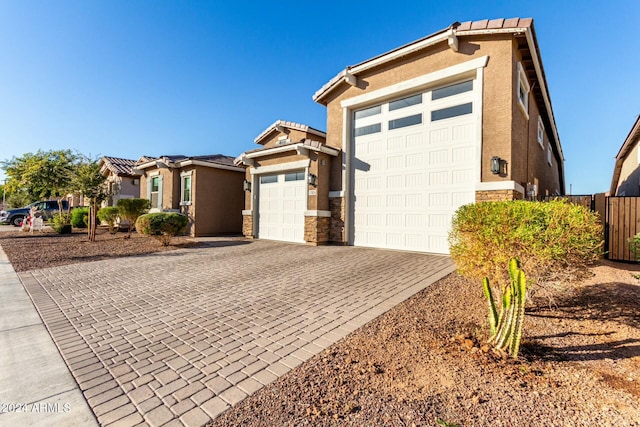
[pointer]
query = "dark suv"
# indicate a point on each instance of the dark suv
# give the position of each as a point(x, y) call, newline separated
point(47, 210)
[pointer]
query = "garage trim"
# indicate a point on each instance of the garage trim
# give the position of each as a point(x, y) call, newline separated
point(473, 68)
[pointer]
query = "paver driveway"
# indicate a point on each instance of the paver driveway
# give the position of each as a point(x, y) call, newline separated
point(176, 338)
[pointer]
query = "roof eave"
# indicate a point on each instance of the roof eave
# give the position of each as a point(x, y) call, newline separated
point(630, 140)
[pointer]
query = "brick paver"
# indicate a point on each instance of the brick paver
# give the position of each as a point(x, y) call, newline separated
point(178, 337)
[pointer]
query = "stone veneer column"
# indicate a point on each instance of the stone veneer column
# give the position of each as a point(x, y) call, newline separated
point(497, 195)
point(336, 228)
point(247, 226)
point(316, 230)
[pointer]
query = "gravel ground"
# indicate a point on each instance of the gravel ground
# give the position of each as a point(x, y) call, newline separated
point(28, 251)
point(423, 363)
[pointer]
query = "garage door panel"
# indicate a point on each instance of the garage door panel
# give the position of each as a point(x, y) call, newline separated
point(281, 208)
point(423, 172)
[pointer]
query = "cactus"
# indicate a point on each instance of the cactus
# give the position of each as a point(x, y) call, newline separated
point(506, 327)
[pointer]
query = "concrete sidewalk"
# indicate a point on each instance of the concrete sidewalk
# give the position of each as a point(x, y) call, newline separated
point(36, 387)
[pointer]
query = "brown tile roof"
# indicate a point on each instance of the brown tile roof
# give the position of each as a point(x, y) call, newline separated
point(119, 166)
point(175, 158)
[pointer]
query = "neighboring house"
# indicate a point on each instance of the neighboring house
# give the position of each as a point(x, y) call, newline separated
point(459, 116)
point(123, 181)
point(626, 172)
point(208, 189)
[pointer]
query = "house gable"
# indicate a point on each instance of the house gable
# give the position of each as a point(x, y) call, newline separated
point(626, 171)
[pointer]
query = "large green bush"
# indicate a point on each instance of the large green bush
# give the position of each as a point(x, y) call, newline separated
point(551, 239)
point(109, 215)
point(162, 225)
point(79, 217)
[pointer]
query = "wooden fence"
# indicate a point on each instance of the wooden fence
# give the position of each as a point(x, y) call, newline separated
point(622, 222)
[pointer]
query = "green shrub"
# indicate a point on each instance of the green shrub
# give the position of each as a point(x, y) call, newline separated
point(552, 240)
point(110, 216)
point(61, 223)
point(130, 209)
point(79, 217)
point(162, 225)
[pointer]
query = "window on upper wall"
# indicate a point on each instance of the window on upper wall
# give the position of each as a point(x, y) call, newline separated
point(185, 188)
point(540, 133)
point(523, 90)
point(283, 140)
point(549, 154)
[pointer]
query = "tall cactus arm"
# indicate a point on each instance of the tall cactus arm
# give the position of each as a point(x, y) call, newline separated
point(493, 313)
point(521, 286)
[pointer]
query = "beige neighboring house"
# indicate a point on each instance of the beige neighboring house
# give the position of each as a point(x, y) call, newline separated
point(208, 189)
point(459, 116)
point(626, 172)
point(123, 181)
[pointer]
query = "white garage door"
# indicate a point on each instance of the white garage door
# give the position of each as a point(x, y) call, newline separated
point(414, 164)
point(281, 206)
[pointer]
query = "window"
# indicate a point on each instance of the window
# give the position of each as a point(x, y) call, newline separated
point(540, 133)
point(549, 154)
point(405, 102)
point(294, 176)
point(368, 112)
point(446, 113)
point(154, 187)
point(268, 179)
point(185, 188)
point(451, 90)
point(523, 90)
point(283, 140)
point(405, 121)
point(366, 130)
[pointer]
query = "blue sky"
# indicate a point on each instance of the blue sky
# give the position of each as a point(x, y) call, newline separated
point(132, 78)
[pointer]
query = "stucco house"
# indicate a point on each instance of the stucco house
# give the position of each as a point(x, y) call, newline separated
point(123, 180)
point(459, 116)
point(208, 189)
point(626, 172)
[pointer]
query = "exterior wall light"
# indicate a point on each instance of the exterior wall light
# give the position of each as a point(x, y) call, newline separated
point(246, 185)
point(495, 165)
point(311, 180)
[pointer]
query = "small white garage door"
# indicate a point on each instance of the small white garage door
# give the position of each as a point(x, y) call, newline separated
point(414, 164)
point(281, 206)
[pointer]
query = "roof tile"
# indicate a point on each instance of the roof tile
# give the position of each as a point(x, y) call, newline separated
point(479, 25)
point(464, 26)
point(525, 22)
point(510, 23)
point(495, 23)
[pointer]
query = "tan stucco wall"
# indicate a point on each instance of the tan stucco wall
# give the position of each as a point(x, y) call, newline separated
point(170, 186)
point(528, 164)
point(218, 201)
point(127, 188)
point(629, 181)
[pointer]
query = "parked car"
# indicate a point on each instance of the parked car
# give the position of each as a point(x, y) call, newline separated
point(47, 210)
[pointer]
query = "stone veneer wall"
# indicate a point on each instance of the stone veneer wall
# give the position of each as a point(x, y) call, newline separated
point(336, 233)
point(497, 195)
point(247, 226)
point(316, 230)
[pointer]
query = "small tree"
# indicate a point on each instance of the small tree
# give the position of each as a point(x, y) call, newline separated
point(162, 225)
point(110, 216)
point(130, 210)
point(90, 182)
